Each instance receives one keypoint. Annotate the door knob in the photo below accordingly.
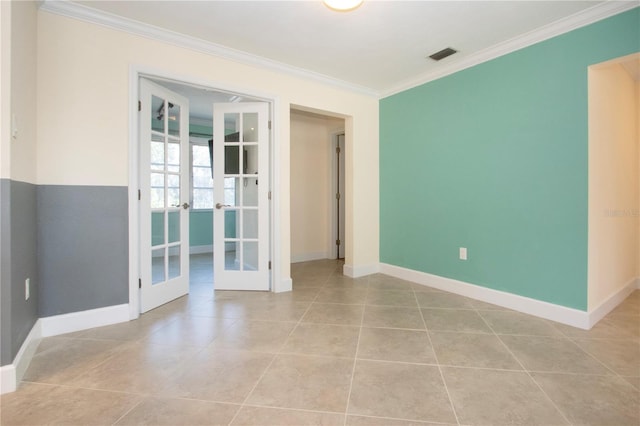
(185, 205)
(219, 206)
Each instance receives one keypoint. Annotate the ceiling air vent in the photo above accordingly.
(442, 54)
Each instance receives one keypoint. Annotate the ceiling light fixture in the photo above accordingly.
(342, 5)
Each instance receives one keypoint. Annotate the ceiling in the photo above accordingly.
(381, 47)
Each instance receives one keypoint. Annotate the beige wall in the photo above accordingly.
(311, 167)
(83, 107)
(18, 90)
(614, 185)
(5, 89)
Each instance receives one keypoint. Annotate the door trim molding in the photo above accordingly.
(137, 71)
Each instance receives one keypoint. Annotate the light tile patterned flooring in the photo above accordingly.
(335, 351)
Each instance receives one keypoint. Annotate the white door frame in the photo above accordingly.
(135, 73)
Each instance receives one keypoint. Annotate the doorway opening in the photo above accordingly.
(197, 197)
(317, 143)
(614, 182)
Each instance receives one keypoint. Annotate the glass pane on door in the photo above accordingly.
(165, 189)
(241, 186)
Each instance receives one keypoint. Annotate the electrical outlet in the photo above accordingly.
(27, 288)
(463, 253)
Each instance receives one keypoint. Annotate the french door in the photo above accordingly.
(241, 196)
(164, 195)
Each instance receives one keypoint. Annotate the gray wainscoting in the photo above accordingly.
(83, 248)
(18, 219)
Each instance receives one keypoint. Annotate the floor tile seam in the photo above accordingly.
(186, 398)
(390, 306)
(448, 308)
(491, 333)
(273, 358)
(426, 422)
(613, 372)
(129, 411)
(355, 359)
(303, 410)
(435, 355)
(300, 354)
(111, 353)
(389, 361)
(68, 386)
(528, 373)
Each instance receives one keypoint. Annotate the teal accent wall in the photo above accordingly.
(201, 228)
(494, 158)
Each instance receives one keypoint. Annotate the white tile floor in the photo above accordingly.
(335, 351)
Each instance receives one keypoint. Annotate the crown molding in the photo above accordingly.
(84, 13)
(586, 17)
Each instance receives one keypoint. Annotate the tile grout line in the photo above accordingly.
(129, 411)
(527, 371)
(355, 357)
(275, 355)
(444, 382)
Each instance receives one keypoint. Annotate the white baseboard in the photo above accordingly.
(11, 375)
(538, 308)
(285, 285)
(308, 257)
(201, 249)
(76, 321)
(360, 271)
(613, 301)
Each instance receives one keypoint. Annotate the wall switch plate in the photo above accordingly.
(27, 288)
(463, 253)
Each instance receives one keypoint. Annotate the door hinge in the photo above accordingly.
(338, 242)
(139, 195)
(139, 282)
(269, 265)
(269, 194)
(139, 105)
(337, 196)
(269, 124)
(338, 150)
